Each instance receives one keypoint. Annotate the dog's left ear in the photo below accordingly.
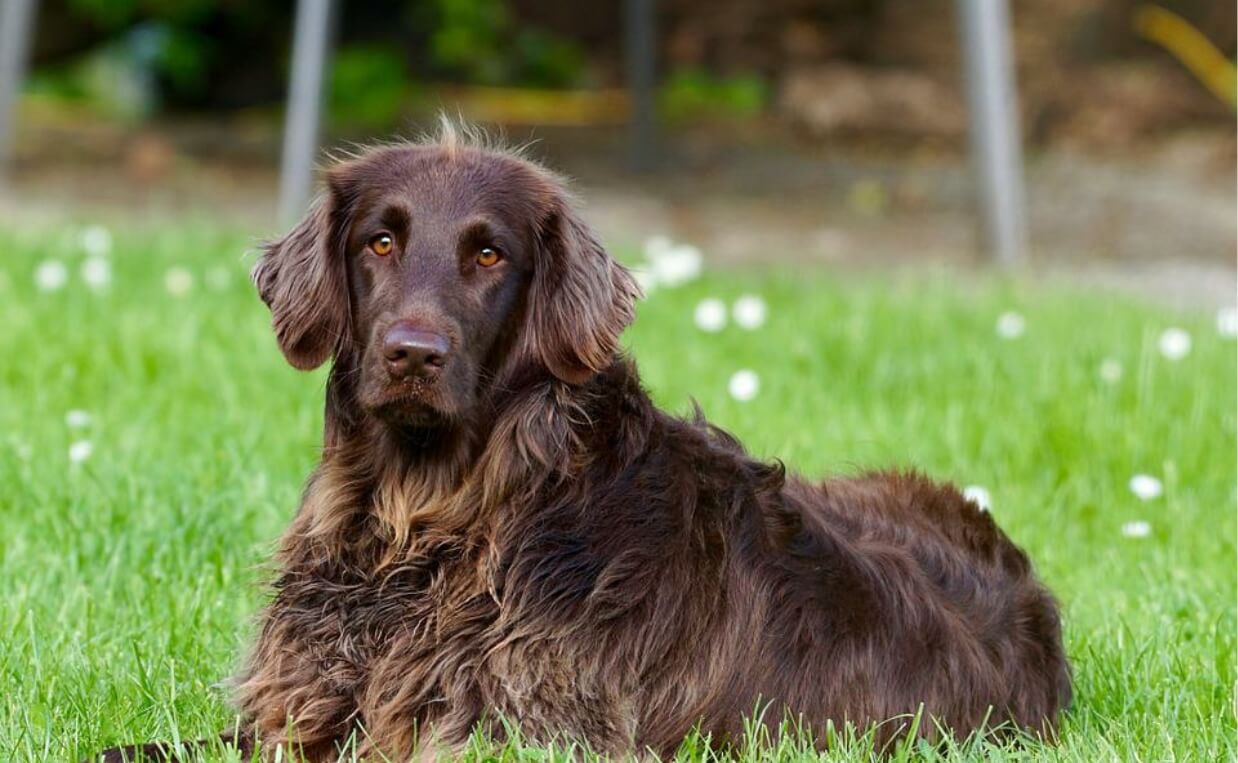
(580, 300)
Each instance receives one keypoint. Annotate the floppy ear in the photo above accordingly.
(301, 278)
(580, 299)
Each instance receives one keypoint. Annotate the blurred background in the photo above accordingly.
(781, 131)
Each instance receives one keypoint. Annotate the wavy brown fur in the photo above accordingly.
(566, 556)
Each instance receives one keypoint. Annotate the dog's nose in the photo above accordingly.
(409, 351)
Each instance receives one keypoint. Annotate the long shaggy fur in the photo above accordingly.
(574, 560)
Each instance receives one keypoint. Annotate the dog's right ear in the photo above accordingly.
(301, 278)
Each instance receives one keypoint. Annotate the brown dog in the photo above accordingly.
(503, 526)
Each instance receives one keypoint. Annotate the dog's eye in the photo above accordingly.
(382, 244)
(489, 256)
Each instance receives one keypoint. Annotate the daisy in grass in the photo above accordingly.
(710, 315)
(96, 272)
(51, 275)
(178, 282)
(672, 264)
(1227, 322)
(744, 385)
(1010, 325)
(1174, 343)
(979, 496)
(80, 451)
(749, 312)
(1146, 487)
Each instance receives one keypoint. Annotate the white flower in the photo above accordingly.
(77, 419)
(1227, 322)
(978, 496)
(677, 265)
(1175, 343)
(744, 385)
(51, 275)
(1146, 487)
(710, 315)
(218, 278)
(645, 278)
(97, 272)
(1010, 325)
(96, 241)
(178, 282)
(1136, 529)
(749, 311)
(669, 264)
(80, 451)
(1110, 371)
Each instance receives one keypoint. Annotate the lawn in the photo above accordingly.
(153, 444)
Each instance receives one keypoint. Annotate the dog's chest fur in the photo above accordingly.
(386, 642)
(406, 653)
(354, 612)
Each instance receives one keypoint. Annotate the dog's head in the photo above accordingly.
(436, 270)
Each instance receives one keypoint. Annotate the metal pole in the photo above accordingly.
(310, 50)
(16, 27)
(640, 51)
(993, 106)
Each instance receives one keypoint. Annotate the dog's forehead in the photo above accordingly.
(455, 181)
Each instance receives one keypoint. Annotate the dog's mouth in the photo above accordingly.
(409, 412)
(412, 402)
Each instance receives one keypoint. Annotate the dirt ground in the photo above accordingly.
(1159, 219)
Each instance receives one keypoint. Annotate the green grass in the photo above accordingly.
(127, 582)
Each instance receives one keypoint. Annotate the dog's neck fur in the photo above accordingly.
(391, 491)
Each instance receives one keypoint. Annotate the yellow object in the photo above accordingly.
(1188, 45)
(514, 106)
